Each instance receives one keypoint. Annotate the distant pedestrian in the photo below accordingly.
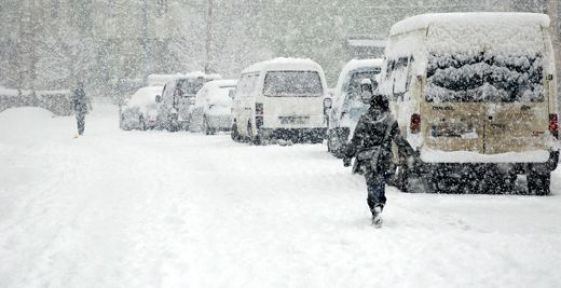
(371, 146)
(81, 105)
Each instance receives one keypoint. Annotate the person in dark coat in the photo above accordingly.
(81, 105)
(371, 146)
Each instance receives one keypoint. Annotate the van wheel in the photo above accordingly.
(206, 129)
(253, 137)
(539, 184)
(235, 134)
(141, 122)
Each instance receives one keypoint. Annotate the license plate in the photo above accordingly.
(294, 119)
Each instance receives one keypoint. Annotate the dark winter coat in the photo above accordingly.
(80, 103)
(374, 132)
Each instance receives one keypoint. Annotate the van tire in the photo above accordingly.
(206, 129)
(235, 134)
(539, 184)
(253, 138)
(141, 123)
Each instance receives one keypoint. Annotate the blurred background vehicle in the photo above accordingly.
(212, 111)
(140, 111)
(178, 97)
(347, 106)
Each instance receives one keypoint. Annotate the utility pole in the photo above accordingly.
(145, 46)
(553, 12)
(208, 36)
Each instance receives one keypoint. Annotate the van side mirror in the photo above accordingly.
(549, 77)
(158, 98)
(232, 93)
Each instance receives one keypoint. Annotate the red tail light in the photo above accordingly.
(554, 125)
(259, 115)
(415, 124)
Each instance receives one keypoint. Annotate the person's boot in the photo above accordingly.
(377, 220)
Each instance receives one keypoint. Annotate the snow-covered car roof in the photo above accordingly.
(352, 65)
(162, 79)
(144, 96)
(465, 19)
(216, 94)
(220, 83)
(298, 64)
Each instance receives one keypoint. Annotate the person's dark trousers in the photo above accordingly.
(80, 119)
(376, 190)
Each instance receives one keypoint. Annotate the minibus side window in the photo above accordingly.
(401, 78)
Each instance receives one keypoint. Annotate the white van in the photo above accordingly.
(280, 99)
(177, 98)
(347, 106)
(475, 96)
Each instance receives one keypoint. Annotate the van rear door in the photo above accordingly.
(293, 99)
(499, 97)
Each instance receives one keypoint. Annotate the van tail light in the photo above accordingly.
(415, 124)
(259, 113)
(554, 125)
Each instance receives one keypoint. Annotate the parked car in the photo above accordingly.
(281, 98)
(178, 97)
(140, 111)
(475, 95)
(212, 111)
(347, 106)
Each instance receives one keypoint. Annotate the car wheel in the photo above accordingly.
(539, 183)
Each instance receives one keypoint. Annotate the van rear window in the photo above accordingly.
(190, 87)
(485, 77)
(292, 84)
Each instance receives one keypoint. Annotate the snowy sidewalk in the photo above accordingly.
(134, 209)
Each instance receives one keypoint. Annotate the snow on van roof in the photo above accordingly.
(282, 63)
(481, 18)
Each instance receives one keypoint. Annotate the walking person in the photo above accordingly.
(371, 146)
(81, 105)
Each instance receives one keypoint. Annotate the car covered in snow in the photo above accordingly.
(212, 111)
(177, 98)
(347, 106)
(283, 99)
(475, 96)
(140, 111)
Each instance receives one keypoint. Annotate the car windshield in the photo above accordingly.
(485, 77)
(292, 83)
(352, 91)
(190, 87)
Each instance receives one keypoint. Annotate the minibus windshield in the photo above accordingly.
(292, 84)
(485, 77)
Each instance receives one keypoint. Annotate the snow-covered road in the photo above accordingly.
(133, 209)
